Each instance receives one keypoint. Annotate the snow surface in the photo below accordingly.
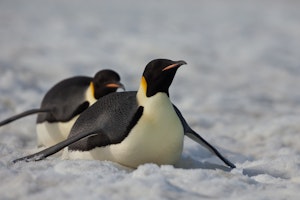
(240, 90)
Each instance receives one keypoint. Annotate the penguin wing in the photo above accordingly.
(53, 149)
(24, 114)
(66, 99)
(106, 122)
(112, 117)
(188, 131)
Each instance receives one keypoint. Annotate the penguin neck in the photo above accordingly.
(142, 98)
(141, 93)
(89, 94)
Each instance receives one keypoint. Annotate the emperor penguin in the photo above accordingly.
(65, 101)
(132, 128)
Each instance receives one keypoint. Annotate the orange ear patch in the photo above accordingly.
(112, 85)
(170, 67)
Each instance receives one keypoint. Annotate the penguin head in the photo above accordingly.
(158, 76)
(105, 82)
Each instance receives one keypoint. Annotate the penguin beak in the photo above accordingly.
(176, 64)
(115, 85)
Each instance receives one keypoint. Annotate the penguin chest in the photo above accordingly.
(156, 138)
(49, 134)
(160, 142)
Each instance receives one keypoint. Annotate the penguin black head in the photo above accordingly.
(105, 82)
(158, 75)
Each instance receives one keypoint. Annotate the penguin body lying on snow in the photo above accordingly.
(132, 128)
(65, 101)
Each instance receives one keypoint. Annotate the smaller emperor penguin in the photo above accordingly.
(65, 101)
(132, 128)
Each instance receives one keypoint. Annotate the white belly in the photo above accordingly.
(49, 134)
(157, 138)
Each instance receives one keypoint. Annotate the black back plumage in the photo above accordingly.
(65, 100)
(110, 125)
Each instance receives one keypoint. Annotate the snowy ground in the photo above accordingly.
(240, 90)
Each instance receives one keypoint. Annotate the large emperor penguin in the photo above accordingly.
(132, 128)
(65, 101)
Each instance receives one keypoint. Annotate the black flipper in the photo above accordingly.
(197, 138)
(55, 148)
(23, 114)
(82, 107)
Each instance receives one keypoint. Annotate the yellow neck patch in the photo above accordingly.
(90, 94)
(92, 89)
(141, 95)
(144, 84)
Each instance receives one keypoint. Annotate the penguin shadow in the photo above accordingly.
(190, 159)
(190, 163)
(264, 170)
